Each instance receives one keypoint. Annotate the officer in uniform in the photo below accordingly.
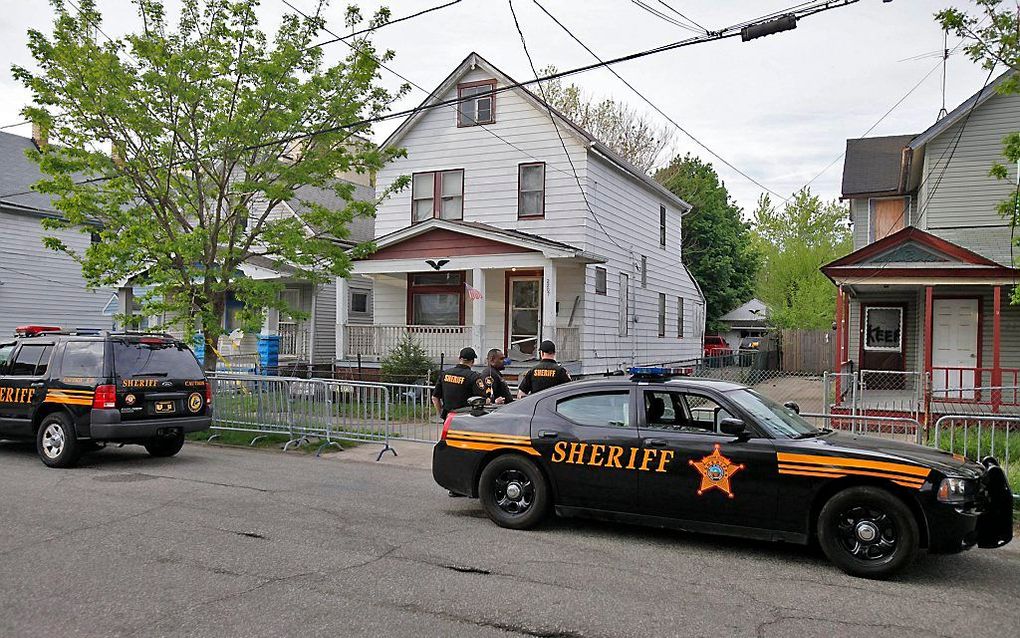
(545, 375)
(457, 384)
(496, 389)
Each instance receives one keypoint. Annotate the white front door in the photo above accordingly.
(954, 348)
(524, 317)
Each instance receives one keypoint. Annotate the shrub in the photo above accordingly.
(407, 362)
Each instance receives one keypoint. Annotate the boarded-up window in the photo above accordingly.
(888, 216)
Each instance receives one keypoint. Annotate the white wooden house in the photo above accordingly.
(583, 250)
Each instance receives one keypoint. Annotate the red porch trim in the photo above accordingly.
(913, 234)
(440, 242)
(996, 343)
(965, 272)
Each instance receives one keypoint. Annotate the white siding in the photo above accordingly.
(41, 286)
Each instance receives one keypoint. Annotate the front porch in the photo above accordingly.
(924, 328)
(450, 285)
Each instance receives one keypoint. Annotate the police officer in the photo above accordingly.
(546, 374)
(496, 389)
(457, 384)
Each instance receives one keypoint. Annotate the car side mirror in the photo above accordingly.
(732, 427)
(792, 405)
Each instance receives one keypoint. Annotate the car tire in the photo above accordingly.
(868, 532)
(514, 492)
(165, 446)
(56, 441)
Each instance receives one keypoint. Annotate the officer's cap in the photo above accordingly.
(548, 347)
(468, 354)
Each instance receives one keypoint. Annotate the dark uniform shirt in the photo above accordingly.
(545, 375)
(456, 385)
(495, 386)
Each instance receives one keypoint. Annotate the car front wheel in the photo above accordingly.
(514, 492)
(868, 532)
(56, 441)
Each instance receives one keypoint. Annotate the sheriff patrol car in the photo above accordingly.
(718, 457)
(76, 390)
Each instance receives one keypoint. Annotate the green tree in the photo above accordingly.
(993, 36)
(635, 136)
(795, 241)
(408, 362)
(717, 245)
(213, 126)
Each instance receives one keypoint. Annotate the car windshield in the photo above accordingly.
(780, 421)
(154, 358)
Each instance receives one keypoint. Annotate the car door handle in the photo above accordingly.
(548, 434)
(38, 384)
(656, 443)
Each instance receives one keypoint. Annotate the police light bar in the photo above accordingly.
(31, 331)
(645, 373)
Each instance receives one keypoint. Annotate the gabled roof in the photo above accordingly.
(472, 61)
(872, 165)
(362, 229)
(17, 174)
(514, 238)
(751, 312)
(954, 116)
(914, 253)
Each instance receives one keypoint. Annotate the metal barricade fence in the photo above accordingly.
(895, 427)
(977, 436)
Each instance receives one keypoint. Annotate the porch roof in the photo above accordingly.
(471, 244)
(913, 256)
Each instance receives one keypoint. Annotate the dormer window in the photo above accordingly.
(477, 103)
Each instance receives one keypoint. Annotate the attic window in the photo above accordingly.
(477, 103)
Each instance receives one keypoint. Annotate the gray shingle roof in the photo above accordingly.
(872, 164)
(362, 228)
(18, 173)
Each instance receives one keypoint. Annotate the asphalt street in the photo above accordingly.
(232, 542)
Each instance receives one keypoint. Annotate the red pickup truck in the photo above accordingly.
(716, 346)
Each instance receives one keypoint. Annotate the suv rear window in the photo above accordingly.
(156, 358)
(82, 359)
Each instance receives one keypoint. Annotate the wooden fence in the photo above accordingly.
(806, 350)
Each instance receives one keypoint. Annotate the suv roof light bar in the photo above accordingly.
(32, 331)
(656, 373)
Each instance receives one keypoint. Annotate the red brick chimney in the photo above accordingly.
(40, 136)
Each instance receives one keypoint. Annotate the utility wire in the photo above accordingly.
(655, 107)
(666, 18)
(670, 7)
(728, 32)
(556, 126)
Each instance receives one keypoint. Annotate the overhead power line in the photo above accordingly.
(727, 32)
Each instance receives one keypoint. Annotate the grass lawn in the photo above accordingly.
(271, 441)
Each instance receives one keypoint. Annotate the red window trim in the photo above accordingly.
(468, 85)
(412, 289)
(437, 192)
(520, 169)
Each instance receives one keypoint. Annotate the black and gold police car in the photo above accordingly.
(718, 457)
(73, 391)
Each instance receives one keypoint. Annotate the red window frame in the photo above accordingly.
(418, 289)
(437, 192)
(520, 198)
(492, 98)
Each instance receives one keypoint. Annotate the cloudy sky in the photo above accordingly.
(779, 108)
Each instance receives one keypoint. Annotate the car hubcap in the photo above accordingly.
(867, 533)
(514, 492)
(53, 441)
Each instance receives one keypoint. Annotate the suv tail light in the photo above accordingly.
(446, 425)
(105, 397)
(208, 394)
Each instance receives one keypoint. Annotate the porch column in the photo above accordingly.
(996, 343)
(549, 302)
(928, 328)
(126, 306)
(838, 349)
(342, 317)
(478, 313)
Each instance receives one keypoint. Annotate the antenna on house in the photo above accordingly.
(945, 61)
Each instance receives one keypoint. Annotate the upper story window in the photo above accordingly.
(531, 190)
(477, 103)
(886, 216)
(600, 280)
(437, 194)
(662, 226)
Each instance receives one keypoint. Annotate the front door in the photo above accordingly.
(954, 348)
(524, 317)
(704, 476)
(589, 443)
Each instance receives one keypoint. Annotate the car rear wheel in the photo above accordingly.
(165, 446)
(514, 492)
(56, 441)
(868, 532)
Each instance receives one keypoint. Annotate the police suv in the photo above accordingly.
(718, 457)
(74, 391)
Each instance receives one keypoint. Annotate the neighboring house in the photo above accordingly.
(38, 285)
(925, 296)
(746, 320)
(494, 244)
(303, 343)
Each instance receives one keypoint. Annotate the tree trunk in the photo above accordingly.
(211, 330)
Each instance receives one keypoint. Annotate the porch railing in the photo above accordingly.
(378, 340)
(965, 385)
(293, 340)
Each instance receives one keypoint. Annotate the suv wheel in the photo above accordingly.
(868, 532)
(56, 441)
(165, 445)
(514, 492)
